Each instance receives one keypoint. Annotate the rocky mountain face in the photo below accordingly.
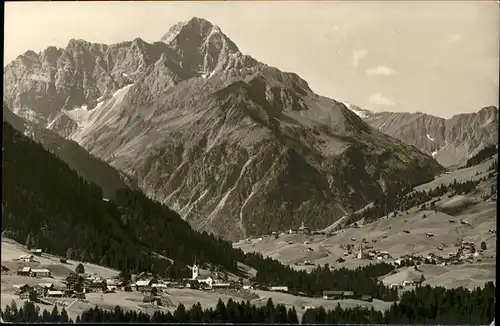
(450, 141)
(235, 146)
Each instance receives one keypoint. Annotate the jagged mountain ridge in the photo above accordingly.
(215, 134)
(450, 141)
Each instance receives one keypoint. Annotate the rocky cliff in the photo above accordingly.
(235, 146)
(450, 141)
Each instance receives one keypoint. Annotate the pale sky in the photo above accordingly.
(441, 58)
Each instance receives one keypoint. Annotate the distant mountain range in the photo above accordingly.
(235, 146)
(450, 141)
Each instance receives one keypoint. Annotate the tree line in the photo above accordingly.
(424, 305)
(482, 155)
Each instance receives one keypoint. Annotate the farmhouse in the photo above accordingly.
(221, 285)
(37, 252)
(20, 288)
(142, 284)
(42, 272)
(55, 294)
(337, 295)
(152, 300)
(303, 229)
(43, 288)
(25, 271)
(27, 258)
(279, 288)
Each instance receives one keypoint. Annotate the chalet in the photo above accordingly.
(303, 229)
(221, 285)
(152, 300)
(113, 282)
(37, 252)
(109, 289)
(40, 272)
(159, 286)
(368, 298)
(279, 288)
(43, 288)
(55, 294)
(95, 285)
(27, 258)
(25, 271)
(337, 295)
(20, 288)
(25, 294)
(142, 284)
(348, 294)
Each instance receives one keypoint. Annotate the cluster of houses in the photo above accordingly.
(44, 290)
(34, 272)
(466, 252)
(341, 295)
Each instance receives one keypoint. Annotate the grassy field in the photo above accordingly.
(388, 234)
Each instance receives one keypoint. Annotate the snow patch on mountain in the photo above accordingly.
(78, 115)
(363, 114)
(430, 138)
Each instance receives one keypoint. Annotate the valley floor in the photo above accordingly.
(388, 234)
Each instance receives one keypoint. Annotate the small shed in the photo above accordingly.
(37, 252)
(332, 295)
(152, 300)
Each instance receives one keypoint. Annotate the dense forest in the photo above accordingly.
(362, 280)
(482, 155)
(47, 205)
(424, 305)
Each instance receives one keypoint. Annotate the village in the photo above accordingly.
(153, 289)
(465, 251)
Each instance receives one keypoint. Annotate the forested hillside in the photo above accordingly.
(47, 202)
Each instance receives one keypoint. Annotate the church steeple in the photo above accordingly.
(195, 271)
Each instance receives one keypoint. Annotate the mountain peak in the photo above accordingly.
(201, 46)
(195, 29)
